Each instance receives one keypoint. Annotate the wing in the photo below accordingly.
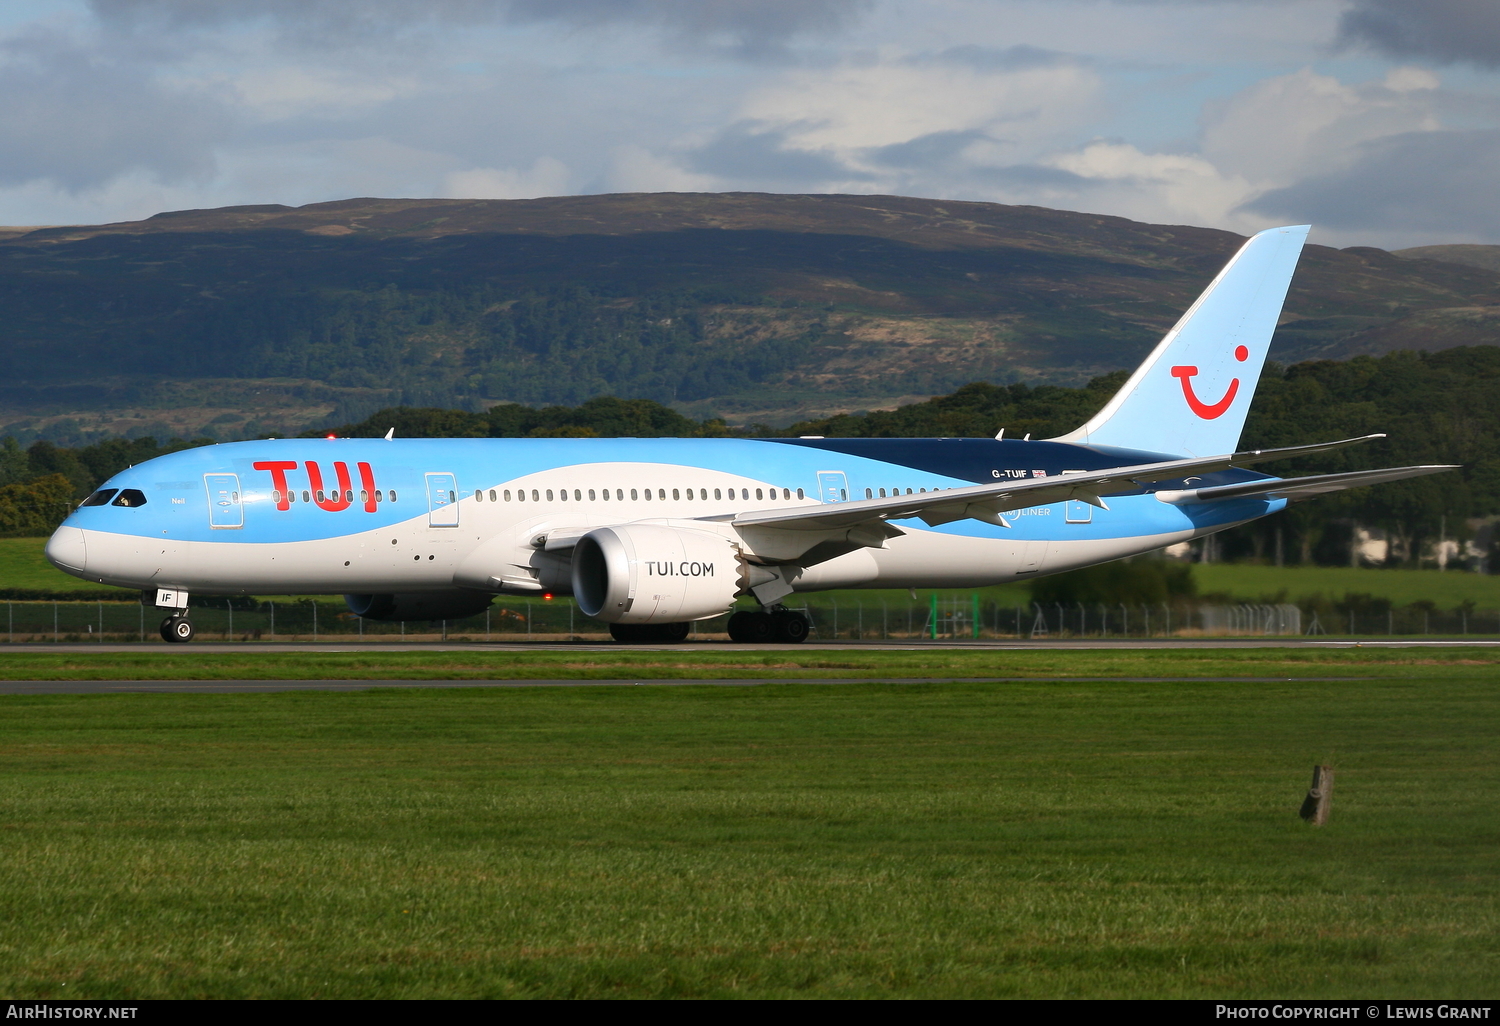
(1297, 487)
(987, 502)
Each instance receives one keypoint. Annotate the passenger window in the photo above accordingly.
(507, 495)
(364, 496)
(136, 497)
(349, 495)
(520, 495)
(869, 494)
(478, 495)
(882, 493)
(718, 493)
(321, 496)
(633, 495)
(492, 495)
(676, 495)
(758, 493)
(591, 495)
(305, 496)
(648, 495)
(799, 494)
(393, 495)
(577, 495)
(620, 494)
(535, 497)
(922, 490)
(379, 495)
(100, 497)
(661, 494)
(786, 493)
(549, 494)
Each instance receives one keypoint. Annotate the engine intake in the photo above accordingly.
(647, 573)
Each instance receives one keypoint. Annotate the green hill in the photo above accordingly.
(247, 320)
(1485, 257)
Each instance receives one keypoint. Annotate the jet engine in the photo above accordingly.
(419, 605)
(645, 573)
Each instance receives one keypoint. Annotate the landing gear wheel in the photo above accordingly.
(177, 629)
(790, 627)
(751, 628)
(630, 633)
(672, 633)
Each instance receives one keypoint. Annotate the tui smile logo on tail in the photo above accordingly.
(1208, 411)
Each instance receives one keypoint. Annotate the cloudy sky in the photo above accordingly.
(1378, 120)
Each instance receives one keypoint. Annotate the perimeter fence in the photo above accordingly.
(946, 617)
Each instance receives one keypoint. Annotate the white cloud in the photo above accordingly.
(636, 169)
(1178, 188)
(546, 177)
(281, 92)
(865, 104)
(1290, 125)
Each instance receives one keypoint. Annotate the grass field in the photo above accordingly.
(1401, 587)
(22, 565)
(1026, 839)
(610, 663)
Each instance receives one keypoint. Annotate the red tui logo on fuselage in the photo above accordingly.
(330, 499)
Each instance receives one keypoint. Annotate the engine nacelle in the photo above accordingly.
(419, 605)
(646, 573)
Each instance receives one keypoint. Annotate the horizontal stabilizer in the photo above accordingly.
(1296, 488)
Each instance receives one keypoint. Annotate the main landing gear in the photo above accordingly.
(177, 628)
(783, 625)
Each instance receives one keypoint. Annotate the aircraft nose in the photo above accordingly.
(66, 549)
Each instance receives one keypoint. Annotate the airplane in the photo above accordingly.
(651, 534)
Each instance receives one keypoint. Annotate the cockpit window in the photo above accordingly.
(130, 497)
(100, 497)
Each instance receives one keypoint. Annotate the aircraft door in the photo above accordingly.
(833, 486)
(442, 500)
(224, 507)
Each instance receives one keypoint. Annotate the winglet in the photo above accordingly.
(390, 434)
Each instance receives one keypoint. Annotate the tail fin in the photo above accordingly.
(1191, 395)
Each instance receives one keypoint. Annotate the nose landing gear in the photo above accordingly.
(177, 629)
(778, 624)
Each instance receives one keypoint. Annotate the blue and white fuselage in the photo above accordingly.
(435, 514)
